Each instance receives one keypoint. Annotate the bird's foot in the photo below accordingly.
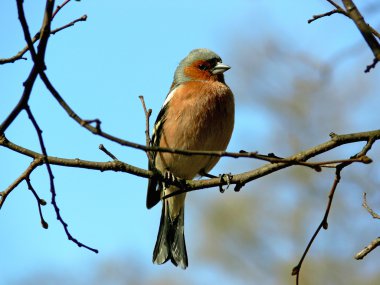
(225, 179)
(169, 179)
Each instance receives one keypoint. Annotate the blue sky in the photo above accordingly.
(100, 67)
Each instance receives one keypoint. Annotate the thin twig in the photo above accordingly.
(370, 35)
(78, 163)
(376, 242)
(364, 29)
(28, 84)
(44, 37)
(25, 28)
(147, 113)
(106, 151)
(148, 142)
(59, 7)
(365, 205)
(371, 66)
(52, 186)
(324, 223)
(373, 244)
(72, 23)
(36, 37)
(4, 194)
(192, 185)
(97, 122)
(335, 5)
(40, 202)
(316, 17)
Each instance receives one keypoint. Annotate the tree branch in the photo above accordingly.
(191, 185)
(364, 29)
(369, 33)
(35, 163)
(59, 7)
(373, 244)
(324, 223)
(52, 185)
(376, 242)
(40, 202)
(369, 209)
(36, 37)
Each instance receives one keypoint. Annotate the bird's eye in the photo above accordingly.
(203, 67)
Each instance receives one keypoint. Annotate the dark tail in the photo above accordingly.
(170, 242)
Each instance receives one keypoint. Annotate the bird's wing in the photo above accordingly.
(154, 187)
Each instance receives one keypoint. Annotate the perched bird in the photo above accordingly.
(197, 114)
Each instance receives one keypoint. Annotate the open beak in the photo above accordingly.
(220, 68)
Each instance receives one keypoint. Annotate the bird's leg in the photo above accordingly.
(225, 178)
(169, 178)
(205, 174)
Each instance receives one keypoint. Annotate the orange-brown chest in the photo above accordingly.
(200, 117)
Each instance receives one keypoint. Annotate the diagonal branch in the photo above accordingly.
(28, 84)
(36, 37)
(40, 202)
(370, 35)
(77, 163)
(374, 243)
(52, 186)
(368, 208)
(324, 223)
(364, 29)
(4, 194)
(191, 185)
(59, 7)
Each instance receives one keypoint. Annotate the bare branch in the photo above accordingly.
(324, 223)
(4, 194)
(28, 84)
(365, 205)
(364, 29)
(72, 23)
(52, 186)
(371, 66)
(335, 5)
(361, 254)
(25, 28)
(148, 142)
(40, 202)
(106, 151)
(36, 37)
(59, 7)
(147, 113)
(45, 35)
(316, 17)
(362, 26)
(77, 163)
(369, 33)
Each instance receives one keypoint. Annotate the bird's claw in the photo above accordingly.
(169, 179)
(225, 178)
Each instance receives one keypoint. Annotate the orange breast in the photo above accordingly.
(200, 116)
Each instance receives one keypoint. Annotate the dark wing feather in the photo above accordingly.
(154, 187)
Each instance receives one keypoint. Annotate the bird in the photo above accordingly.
(197, 114)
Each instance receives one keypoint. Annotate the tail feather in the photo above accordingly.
(170, 242)
(154, 193)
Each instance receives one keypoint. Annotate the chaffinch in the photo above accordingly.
(197, 114)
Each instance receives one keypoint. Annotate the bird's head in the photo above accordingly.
(200, 64)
